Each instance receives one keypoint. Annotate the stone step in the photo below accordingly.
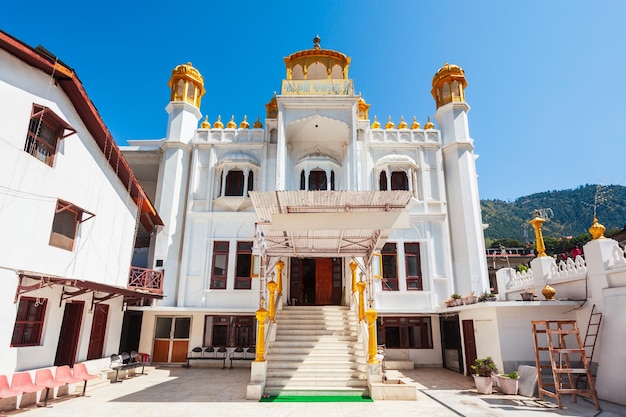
(316, 343)
(298, 383)
(320, 373)
(331, 350)
(314, 365)
(327, 391)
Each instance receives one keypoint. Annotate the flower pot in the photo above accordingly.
(470, 299)
(508, 385)
(484, 384)
(458, 302)
(527, 296)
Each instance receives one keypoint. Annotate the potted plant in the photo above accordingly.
(449, 302)
(528, 294)
(508, 383)
(470, 298)
(484, 368)
(457, 299)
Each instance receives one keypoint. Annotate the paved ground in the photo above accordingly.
(214, 392)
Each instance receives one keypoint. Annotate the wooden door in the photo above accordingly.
(98, 331)
(68, 337)
(469, 342)
(171, 339)
(295, 281)
(324, 281)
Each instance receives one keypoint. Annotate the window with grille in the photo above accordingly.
(244, 266)
(220, 265)
(29, 322)
(390, 267)
(405, 332)
(45, 130)
(413, 267)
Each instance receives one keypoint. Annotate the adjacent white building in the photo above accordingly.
(69, 210)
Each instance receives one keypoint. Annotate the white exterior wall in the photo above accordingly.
(29, 190)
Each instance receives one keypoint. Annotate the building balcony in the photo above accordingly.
(148, 280)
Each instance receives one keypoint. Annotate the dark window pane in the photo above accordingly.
(181, 327)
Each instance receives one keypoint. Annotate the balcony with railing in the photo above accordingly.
(148, 280)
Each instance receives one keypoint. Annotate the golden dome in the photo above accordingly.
(375, 124)
(415, 124)
(362, 109)
(258, 124)
(231, 123)
(205, 123)
(271, 108)
(244, 123)
(448, 85)
(402, 124)
(390, 124)
(429, 124)
(308, 57)
(218, 123)
(597, 229)
(186, 84)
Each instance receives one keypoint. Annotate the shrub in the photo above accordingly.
(484, 367)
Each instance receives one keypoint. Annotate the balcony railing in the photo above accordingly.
(144, 279)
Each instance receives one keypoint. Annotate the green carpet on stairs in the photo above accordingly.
(316, 399)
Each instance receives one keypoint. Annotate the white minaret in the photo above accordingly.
(459, 161)
(187, 88)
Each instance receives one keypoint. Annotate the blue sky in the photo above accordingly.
(545, 78)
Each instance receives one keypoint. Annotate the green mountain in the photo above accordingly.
(569, 212)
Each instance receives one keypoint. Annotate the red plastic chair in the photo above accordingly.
(80, 371)
(22, 381)
(5, 388)
(44, 378)
(64, 374)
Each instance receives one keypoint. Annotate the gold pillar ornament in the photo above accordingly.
(279, 276)
(353, 266)
(596, 229)
(361, 287)
(548, 292)
(271, 286)
(261, 317)
(371, 328)
(536, 222)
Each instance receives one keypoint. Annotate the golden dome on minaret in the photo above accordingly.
(231, 123)
(402, 124)
(305, 64)
(244, 123)
(271, 108)
(415, 125)
(429, 124)
(186, 84)
(218, 123)
(258, 124)
(205, 123)
(362, 109)
(390, 124)
(449, 85)
(375, 124)
(597, 230)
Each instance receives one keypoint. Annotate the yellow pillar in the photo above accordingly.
(271, 286)
(536, 223)
(371, 326)
(361, 288)
(353, 266)
(279, 278)
(261, 316)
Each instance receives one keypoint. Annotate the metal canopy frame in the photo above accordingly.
(328, 223)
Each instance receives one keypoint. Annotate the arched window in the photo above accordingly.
(382, 181)
(234, 183)
(250, 181)
(302, 180)
(317, 180)
(399, 181)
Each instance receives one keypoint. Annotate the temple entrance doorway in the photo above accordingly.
(316, 281)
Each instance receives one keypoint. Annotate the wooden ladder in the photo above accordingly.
(557, 332)
(589, 342)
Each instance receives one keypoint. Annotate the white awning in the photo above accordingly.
(328, 223)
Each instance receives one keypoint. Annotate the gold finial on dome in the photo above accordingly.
(244, 123)
(231, 123)
(205, 123)
(429, 124)
(186, 84)
(258, 124)
(362, 109)
(316, 42)
(390, 124)
(375, 124)
(596, 229)
(271, 108)
(402, 124)
(415, 125)
(218, 123)
(449, 85)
